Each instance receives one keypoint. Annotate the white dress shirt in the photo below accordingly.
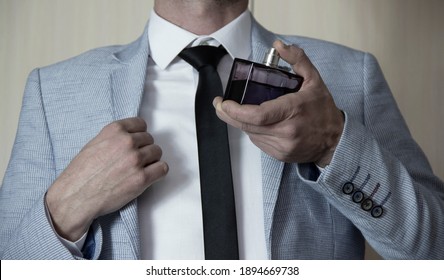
(170, 211)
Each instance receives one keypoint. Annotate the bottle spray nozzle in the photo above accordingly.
(272, 58)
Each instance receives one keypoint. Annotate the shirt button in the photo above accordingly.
(377, 211)
(348, 188)
(367, 204)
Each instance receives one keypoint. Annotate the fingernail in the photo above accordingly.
(166, 168)
(217, 104)
(222, 106)
(285, 46)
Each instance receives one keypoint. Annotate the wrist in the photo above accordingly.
(332, 141)
(75, 247)
(69, 221)
(325, 160)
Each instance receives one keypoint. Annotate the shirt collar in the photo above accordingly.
(167, 40)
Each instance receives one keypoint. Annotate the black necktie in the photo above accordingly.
(219, 216)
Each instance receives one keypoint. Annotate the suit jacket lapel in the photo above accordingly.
(271, 179)
(128, 78)
(272, 169)
(127, 84)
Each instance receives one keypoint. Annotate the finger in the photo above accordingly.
(131, 125)
(267, 146)
(235, 123)
(121, 127)
(217, 103)
(250, 129)
(244, 116)
(140, 181)
(154, 172)
(141, 139)
(150, 154)
(297, 58)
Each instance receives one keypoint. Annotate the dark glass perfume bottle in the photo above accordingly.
(254, 83)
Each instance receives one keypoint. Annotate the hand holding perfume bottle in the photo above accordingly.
(297, 128)
(255, 83)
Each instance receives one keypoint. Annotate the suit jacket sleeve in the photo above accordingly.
(378, 155)
(26, 232)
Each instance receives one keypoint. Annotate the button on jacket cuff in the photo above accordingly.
(356, 148)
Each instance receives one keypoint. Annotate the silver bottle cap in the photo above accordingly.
(272, 58)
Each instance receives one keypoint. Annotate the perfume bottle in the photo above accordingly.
(254, 83)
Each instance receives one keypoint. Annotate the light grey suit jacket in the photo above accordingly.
(307, 214)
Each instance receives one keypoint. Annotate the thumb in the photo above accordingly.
(297, 58)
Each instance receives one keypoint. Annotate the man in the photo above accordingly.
(336, 161)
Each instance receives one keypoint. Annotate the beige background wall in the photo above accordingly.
(407, 37)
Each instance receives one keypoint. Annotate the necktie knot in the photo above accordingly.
(202, 56)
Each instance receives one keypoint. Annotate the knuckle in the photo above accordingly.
(114, 127)
(139, 178)
(259, 119)
(135, 158)
(152, 153)
(150, 175)
(299, 53)
(127, 141)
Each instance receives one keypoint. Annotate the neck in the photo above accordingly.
(201, 17)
